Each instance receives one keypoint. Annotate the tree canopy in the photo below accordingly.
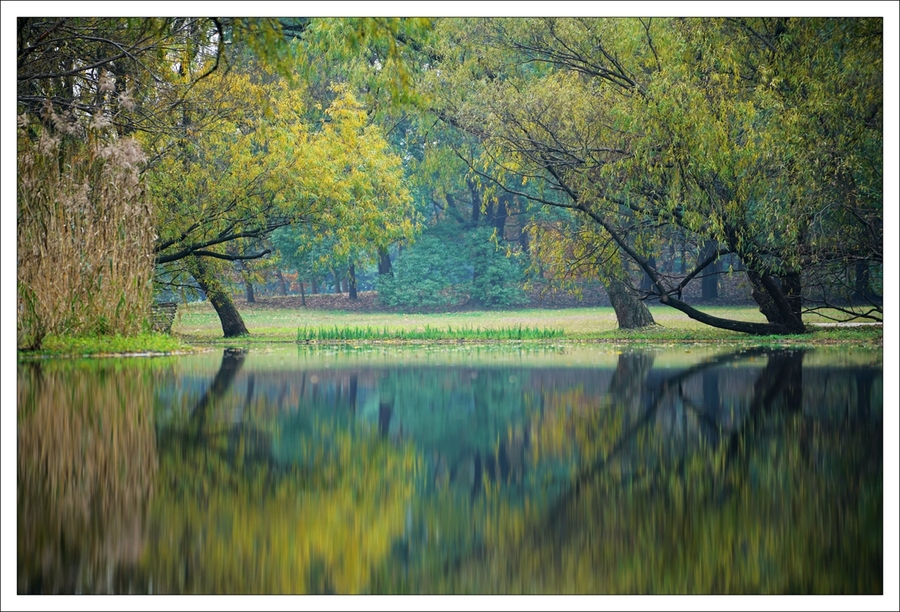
(714, 127)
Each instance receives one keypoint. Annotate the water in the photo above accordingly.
(453, 470)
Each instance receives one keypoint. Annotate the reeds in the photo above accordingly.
(85, 233)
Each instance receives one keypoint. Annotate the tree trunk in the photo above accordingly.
(245, 275)
(646, 281)
(351, 282)
(384, 262)
(709, 284)
(232, 323)
(792, 287)
(501, 214)
(476, 274)
(631, 313)
(302, 295)
(766, 304)
(281, 282)
(248, 286)
(476, 200)
(673, 255)
(315, 285)
(862, 289)
(781, 307)
(523, 240)
(759, 329)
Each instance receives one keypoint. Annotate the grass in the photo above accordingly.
(198, 323)
(325, 334)
(96, 345)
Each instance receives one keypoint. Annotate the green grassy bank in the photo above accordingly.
(197, 326)
(198, 323)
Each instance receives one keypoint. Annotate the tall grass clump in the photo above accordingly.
(345, 334)
(84, 231)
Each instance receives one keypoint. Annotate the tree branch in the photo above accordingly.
(226, 257)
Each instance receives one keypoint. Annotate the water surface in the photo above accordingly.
(456, 469)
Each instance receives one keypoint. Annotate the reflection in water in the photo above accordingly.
(245, 521)
(781, 506)
(743, 472)
(87, 463)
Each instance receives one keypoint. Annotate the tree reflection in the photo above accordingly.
(231, 518)
(745, 472)
(759, 499)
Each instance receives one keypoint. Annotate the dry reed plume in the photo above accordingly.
(85, 234)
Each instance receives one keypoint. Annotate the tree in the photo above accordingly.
(222, 187)
(567, 250)
(133, 73)
(466, 68)
(369, 186)
(258, 166)
(700, 125)
(230, 154)
(91, 90)
(299, 248)
(364, 204)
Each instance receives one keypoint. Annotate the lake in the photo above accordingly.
(594, 469)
